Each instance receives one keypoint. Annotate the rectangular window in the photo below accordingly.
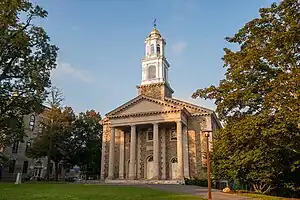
(28, 145)
(11, 167)
(173, 134)
(15, 147)
(150, 135)
(25, 167)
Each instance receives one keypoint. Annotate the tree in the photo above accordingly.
(85, 144)
(26, 60)
(259, 102)
(57, 126)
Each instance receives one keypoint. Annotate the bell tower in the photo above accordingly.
(155, 67)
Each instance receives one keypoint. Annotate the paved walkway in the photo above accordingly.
(196, 191)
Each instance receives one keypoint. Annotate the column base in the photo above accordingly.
(110, 178)
(155, 178)
(179, 178)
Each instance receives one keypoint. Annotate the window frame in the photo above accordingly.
(152, 49)
(158, 49)
(32, 122)
(173, 138)
(149, 131)
(151, 72)
(28, 145)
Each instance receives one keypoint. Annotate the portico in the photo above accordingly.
(154, 168)
(155, 136)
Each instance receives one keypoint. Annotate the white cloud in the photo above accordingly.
(179, 47)
(65, 70)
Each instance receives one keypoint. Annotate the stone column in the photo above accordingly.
(103, 153)
(138, 156)
(179, 151)
(132, 153)
(122, 150)
(156, 156)
(111, 164)
(186, 166)
(163, 153)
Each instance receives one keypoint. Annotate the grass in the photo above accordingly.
(84, 192)
(259, 196)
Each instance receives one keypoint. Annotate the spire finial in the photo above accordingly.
(154, 23)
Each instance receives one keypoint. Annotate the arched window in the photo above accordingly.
(158, 49)
(32, 122)
(151, 72)
(174, 160)
(152, 49)
(150, 159)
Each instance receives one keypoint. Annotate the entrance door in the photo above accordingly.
(150, 168)
(174, 166)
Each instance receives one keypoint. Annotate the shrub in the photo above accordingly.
(197, 181)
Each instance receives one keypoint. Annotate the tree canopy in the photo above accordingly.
(85, 143)
(26, 60)
(258, 100)
(56, 126)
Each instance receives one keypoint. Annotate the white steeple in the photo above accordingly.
(154, 65)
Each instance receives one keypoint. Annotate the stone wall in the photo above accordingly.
(171, 152)
(156, 90)
(197, 146)
(105, 146)
(143, 153)
(127, 153)
(192, 153)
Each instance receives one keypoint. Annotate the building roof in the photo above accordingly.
(155, 33)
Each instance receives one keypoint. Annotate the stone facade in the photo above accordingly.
(155, 136)
(158, 90)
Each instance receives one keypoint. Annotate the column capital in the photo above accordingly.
(178, 121)
(112, 126)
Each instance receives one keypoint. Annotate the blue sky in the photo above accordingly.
(102, 42)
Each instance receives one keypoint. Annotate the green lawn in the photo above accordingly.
(260, 196)
(83, 192)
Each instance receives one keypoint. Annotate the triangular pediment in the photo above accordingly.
(142, 104)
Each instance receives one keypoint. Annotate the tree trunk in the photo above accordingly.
(86, 171)
(261, 188)
(56, 171)
(48, 168)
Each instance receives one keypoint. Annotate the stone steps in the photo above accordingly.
(137, 182)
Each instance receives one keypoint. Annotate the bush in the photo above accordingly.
(197, 181)
(70, 179)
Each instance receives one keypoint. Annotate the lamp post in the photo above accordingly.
(207, 133)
